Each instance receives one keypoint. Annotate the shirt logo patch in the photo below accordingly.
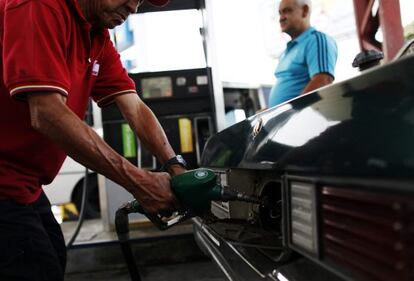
(95, 68)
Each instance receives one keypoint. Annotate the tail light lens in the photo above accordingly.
(368, 233)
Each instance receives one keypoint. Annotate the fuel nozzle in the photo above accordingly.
(231, 195)
(195, 189)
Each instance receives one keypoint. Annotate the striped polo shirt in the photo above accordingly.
(47, 46)
(311, 53)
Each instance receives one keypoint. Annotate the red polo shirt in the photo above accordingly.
(46, 46)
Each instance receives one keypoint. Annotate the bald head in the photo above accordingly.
(304, 2)
(294, 16)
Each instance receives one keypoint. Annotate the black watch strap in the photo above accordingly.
(176, 160)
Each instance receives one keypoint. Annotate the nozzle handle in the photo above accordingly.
(160, 221)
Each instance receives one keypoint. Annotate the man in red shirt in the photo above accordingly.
(56, 54)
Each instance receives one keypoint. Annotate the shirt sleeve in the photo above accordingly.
(34, 49)
(112, 79)
(321, 55)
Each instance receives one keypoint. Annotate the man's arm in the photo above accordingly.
(147, 128)
(51, 117)
(321, 58)
(317, 81)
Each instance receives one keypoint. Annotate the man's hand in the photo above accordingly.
(154, 193)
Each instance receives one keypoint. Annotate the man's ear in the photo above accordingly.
(305, 11)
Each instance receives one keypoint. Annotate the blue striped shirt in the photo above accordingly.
(311, 53)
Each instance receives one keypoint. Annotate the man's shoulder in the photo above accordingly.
(317, 34)
(57, 5)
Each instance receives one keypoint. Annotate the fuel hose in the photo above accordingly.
(69, 244)
(122, 231)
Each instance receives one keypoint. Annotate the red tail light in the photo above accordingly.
(368, 234)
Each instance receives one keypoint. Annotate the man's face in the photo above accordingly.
(291, 16)
(110, 13)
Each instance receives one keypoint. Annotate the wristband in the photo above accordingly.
(176, 160)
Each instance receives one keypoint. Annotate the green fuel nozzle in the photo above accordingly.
(195, 189)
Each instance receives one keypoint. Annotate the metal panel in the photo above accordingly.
(112, 196)
(388, 18)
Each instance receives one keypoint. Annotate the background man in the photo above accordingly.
(309, 60)
(56, 54)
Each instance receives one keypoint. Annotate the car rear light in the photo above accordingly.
(302, 217)
(368, 234)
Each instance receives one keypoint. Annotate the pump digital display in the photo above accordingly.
(156, 87)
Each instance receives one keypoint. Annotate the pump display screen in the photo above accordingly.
(156, 87)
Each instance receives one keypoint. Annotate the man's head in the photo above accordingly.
(294, 16)
(110, 13)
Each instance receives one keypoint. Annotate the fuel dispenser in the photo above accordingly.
(183, 102)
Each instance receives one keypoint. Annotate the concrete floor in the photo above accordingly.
(161, 255)
(189, 271)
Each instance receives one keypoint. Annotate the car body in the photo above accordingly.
(337, 169)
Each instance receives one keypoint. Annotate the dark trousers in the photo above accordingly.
(32, 247)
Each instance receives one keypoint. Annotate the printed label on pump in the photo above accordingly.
(186, 135)
(129, 142)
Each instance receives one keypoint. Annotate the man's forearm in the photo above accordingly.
(146, 126)
(318, 81)
(51, 117)
(148, 129)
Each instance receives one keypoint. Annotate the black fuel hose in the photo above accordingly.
(122, 231)
(81, 218)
